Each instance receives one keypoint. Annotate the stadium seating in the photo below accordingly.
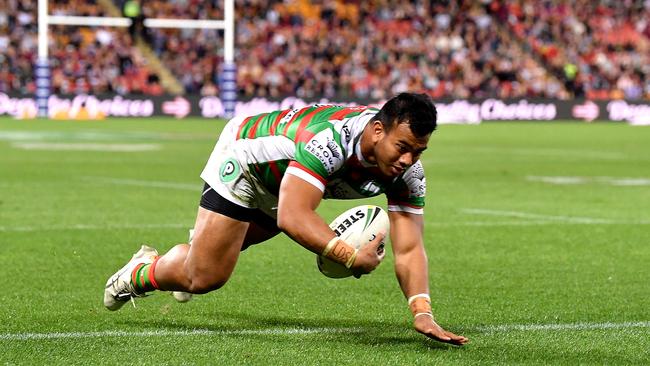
(369, 49)
(600, 49)
(83, 60)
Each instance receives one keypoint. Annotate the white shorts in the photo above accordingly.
(227, 173)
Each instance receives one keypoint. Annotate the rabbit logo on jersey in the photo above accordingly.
(323, 147)
(416, 180)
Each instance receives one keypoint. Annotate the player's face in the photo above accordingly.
(398, 149)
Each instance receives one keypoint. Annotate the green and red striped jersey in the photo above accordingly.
(320, 144)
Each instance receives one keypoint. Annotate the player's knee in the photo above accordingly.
(202, 284)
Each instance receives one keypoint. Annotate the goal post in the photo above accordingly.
(227, 79)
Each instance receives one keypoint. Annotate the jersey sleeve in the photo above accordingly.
(408, 192)
(318, 155)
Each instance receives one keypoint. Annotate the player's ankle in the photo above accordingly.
(143, 279)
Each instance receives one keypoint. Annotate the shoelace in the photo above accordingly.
(128, 295)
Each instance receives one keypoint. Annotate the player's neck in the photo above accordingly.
(366, 147)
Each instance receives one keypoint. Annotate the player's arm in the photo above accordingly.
(411, 268)
(297, 217)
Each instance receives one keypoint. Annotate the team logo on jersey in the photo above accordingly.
(229, 170)
(416, 180)
(417, 171)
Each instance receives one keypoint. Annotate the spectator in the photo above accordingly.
(369, 49)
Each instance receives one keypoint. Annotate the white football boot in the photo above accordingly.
(119, 288)
(181, 296)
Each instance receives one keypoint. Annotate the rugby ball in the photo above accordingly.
(357, 226)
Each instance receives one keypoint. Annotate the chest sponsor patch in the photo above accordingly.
(324, 148)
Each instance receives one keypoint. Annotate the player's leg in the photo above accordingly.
(207, 264)
(261, 229)
(221, 228)
(204, 266)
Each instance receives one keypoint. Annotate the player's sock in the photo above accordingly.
(142, 277)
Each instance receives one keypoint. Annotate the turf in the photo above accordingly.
(532, 271)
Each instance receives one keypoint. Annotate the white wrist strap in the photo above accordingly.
(423, 295)
(330, 245)
(427, 314)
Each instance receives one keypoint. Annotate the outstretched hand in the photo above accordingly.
(427, 326)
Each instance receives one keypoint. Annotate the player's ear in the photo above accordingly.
(378, 129)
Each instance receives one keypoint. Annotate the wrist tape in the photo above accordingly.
(340, 252)
(420, 304)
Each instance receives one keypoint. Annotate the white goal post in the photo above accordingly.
(228, 80)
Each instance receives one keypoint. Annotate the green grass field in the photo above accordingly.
(538, 237)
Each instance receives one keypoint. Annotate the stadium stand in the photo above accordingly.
(83, 60)
(363, 49)
(18, 46)
(600, 49)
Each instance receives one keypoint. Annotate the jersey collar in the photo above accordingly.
(362, 160)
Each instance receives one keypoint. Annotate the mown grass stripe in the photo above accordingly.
(503, 328)
(562, 327)
(178, 333)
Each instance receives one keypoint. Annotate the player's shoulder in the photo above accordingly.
(415, 179)
(340, 120)
(330, 114)
(415, 171)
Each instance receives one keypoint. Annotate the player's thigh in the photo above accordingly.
(258, 234)
(216, 244)
(262, 228)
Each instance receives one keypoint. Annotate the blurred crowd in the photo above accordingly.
(601, 49)
(83, 60)
(18, 46)
(193, 56)
(350, 49)
(378, 48)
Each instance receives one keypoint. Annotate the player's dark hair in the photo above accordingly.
(415, 109)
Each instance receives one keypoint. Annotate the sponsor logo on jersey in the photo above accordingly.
(334, 149)
(371, 187)
(229, 170)
(323, 147)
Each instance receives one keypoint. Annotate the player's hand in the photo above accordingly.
(427, 326)
(369, 257)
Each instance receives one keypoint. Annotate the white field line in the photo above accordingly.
(27, 229)
(147, 183)
(568, 153)
(505, 328)
(88, 135)
(569, 327)
(85, 146)
(489, 223)
(552, 218)
(176, 333)
(572, 180)
(91, 227)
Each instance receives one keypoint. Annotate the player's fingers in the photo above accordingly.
(456, 339)
(376, 242)
(381, 255)
(446, 337)
(441, 337)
